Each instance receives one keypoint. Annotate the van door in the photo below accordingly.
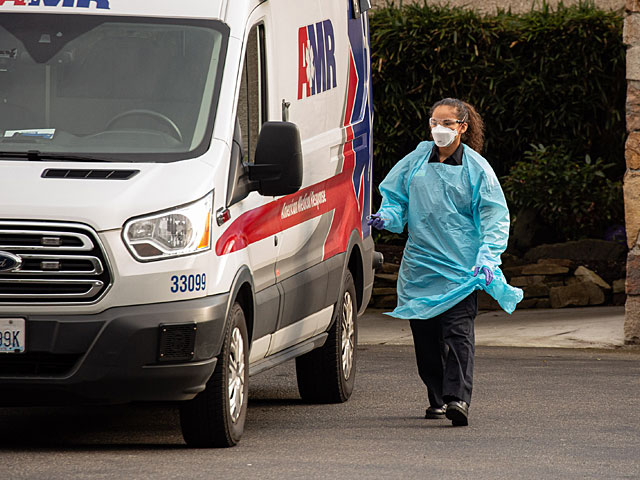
(252, 112)
(312, 60)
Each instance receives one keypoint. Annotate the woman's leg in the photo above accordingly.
(427, 340)
(458, 334)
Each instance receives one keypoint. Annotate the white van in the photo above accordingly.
(184, 188)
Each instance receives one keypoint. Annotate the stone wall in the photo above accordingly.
(516, 6)
(632, 176)
(572, 274)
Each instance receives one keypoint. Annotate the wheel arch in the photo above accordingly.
(243, 291)
(355, 265)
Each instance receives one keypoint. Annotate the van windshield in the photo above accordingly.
(108, 88)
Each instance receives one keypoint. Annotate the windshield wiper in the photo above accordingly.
(37, 156)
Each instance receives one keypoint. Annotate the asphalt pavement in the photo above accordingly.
(566, 411)
(589, 327)
(536, 414)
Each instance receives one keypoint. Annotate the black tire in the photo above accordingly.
(327, 374)
(216, 416)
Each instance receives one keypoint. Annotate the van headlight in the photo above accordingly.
(180, 231)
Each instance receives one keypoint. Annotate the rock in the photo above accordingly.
(631, 36)
(487, 302)
(514, 271)
(618, 286)
(543, 303)
(572, 281)
(632, 202)
(568, 295)
(633, 87)
(386, 279)
(392, 253)
(633, 273)
(607, 259)
(618, 299)
(563, 262)
(590, 249)
(386, 301)
(633, 5)
(585, 274)
(509, 260)
(535, 303)
(379, 292)
(596, 295)
(544, 269)
(389, 268)
(528, 280)
(533, 291)
(632, 321)
(577, 294)
(528, 303)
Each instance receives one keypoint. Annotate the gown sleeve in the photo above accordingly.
(395, 195)
(492, 218)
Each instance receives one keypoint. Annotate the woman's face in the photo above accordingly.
(447, 116)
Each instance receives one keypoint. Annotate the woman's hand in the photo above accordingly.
(376, 221)
(488, 274)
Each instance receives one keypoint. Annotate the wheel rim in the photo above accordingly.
(348, 335)
(236, 374)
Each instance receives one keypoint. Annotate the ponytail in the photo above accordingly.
(474, 136)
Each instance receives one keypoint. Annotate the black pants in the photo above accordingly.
(445, 347)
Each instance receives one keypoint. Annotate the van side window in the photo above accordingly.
(252, 102)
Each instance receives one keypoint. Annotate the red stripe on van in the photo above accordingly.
(348, 216)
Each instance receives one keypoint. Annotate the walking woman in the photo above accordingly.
(458, 221)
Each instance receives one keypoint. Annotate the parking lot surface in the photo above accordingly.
(536, 414)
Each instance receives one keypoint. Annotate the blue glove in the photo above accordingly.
(488, 274)
(376, 221)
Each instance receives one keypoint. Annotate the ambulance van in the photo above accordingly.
(184, 188)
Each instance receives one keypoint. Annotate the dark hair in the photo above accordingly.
(474, 136)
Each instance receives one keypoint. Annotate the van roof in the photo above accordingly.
(215, 9)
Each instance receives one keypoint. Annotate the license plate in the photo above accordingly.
(12, 335)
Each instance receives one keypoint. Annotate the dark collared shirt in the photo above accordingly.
(454, 159)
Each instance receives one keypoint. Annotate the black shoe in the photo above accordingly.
(458, 412)
(435, 412)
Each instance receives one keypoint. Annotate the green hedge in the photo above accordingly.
(552, 77)
(572, 196)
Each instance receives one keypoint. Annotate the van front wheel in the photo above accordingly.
(216, 416)
(327, 374)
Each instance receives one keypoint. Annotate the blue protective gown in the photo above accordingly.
(457, 218)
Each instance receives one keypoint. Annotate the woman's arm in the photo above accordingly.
(395, 194)
(492, 219)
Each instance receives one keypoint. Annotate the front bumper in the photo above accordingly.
(112, 357)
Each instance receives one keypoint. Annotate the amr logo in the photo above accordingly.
(316, 59)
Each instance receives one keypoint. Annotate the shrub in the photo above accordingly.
(573, 196)
(551, 77)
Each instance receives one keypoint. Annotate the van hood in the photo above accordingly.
(104, 204)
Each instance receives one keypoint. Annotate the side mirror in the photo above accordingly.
(278, 163)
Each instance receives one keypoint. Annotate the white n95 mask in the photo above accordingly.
(443, 136)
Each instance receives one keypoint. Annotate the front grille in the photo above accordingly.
(60, 263)
(36, 364)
